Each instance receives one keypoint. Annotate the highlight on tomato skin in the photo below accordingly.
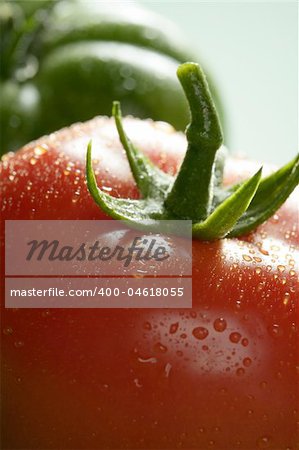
(221, 375)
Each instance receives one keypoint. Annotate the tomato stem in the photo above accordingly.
(192, 191)
(196, 193)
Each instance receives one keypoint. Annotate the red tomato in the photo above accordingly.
(221, 375)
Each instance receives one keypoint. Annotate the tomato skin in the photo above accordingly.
(148, 379)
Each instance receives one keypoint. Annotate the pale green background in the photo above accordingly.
(251, 48)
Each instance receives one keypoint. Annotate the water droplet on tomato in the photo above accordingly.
(147, 326)
(150, 360)
(173, 327)
(264, 442)
(40, 150)
(244, 342)
(76, 196)
(263, 251)
(167, 369)
(19, 344)
(275, 330)
(281, 268)
(247, 362)
(240, 371)
(107, 188)
(286, 298)
(8, 331)
(33, 161)
(235, 337)
(160, 348)
(220, 324)
(137, 383)
(200, 333)
(238, 304)
(247, 258)
(257, 259)
(29, 185)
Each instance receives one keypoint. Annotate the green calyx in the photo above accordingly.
(196, 193)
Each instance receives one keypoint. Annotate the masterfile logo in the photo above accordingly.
(98, 264)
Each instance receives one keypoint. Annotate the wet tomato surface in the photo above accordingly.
(221, 375)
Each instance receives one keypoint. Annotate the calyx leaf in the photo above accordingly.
(196, 193)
